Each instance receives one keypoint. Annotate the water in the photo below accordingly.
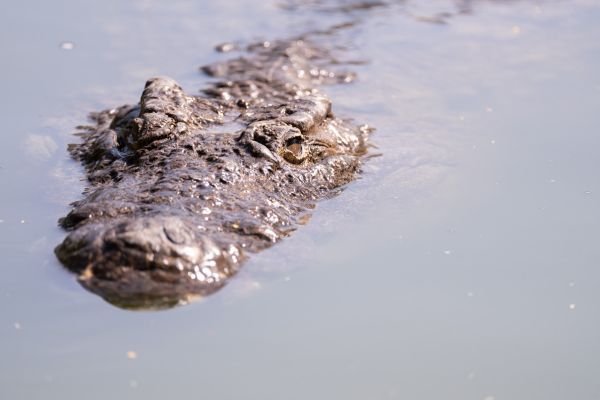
(462, 265)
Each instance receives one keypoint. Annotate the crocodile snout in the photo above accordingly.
(150, 262)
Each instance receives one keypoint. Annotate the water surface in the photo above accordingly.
(462, 265)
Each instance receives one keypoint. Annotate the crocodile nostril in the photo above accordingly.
(174, 235)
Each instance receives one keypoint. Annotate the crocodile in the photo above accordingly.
(182, 188)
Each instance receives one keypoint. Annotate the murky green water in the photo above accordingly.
(463, 264)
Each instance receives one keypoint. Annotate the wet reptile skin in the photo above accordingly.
(181, 188)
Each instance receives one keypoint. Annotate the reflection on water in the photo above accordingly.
(461, 265)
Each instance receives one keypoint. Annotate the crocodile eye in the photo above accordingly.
(295, 154)
(295, 148)
(295, 151)
(294, 140)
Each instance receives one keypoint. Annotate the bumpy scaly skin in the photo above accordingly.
(182, 187)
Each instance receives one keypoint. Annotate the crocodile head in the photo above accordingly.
(183, 187)
(177, 199)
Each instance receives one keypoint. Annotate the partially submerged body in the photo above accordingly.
(183, 187)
